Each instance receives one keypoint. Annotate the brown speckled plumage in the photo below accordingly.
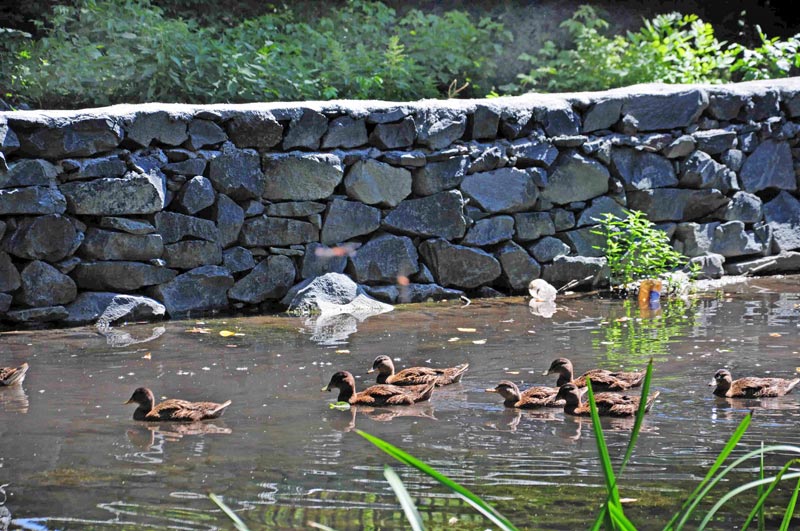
(750, 387)
(378, 395)
(173, 409)
(416, 375)
(532, 398)
(13, 375)
(602, 380)
(608, 404)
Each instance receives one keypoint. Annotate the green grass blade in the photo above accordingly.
(316, 525)
(481, 506)
(763, 495)
(639, 416)
(237, 522)
(412, 514)
(761, 522)
(683, 514)
(787, 516)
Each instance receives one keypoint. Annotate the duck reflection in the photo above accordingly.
(14, 399)
(5, 514)
(573, 428)
(346, 421)
(146, 436)
(117, 338)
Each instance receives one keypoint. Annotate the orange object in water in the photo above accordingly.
(649, 292)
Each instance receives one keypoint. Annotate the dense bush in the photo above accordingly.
(112, 51)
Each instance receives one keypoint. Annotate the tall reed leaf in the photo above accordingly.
(481, 506)
(787, 516)
(237, 522)
(762, 494)
(412, 514)
(761, 523)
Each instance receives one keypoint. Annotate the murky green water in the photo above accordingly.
(74, 459)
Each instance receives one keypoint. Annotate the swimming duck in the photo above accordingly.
(750, 387)
(377, 395)
(173, 409)
(608, 404)
(416, 375)
(602, 380)
(535, 397)
(13, 375)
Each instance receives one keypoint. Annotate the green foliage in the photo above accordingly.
(112, 51)
(635, 248)
(773, 59)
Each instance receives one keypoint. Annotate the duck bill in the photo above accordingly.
(712, 383)
(490, 390)
(326, 388)
(128, 402)
(545, 373)
(371, 371)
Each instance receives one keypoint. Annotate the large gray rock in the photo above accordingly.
(47, 314)
(75, 137)
(439, 128)
(348, 219)
(374, 182)
(489, 231)
(384, 259)
(192, 166)
(535, 152)
(640, 170)
(32, 200)
(229, 217)
(159, 126)
(436, 177)
(28, 172)
(548, 248)
(300, 176)
(265, 231)
(708, 265)
(9, 142)
(485, 121)
(238, 259)
(427, 292)
(174, 227)
(203, 133)
(785, 262)
(459, 266)
(671, 204)
(188, 254)
(195, 195)
(269, 280)
(597, 210)
(503, 190)
(602, 115)
(743, 207)
(393, 136)
(576, 178)
(119, 275)
(93, 168)
(199, 290)
(559, 120)
(305, 131)
(714, 141)
(51, 238)
(587, 271)
(320, 259)
(44, 285)
(255, 129)
(90, 305)
(696, 238)
(518, 266)
(584, 241)
(701, 171)
(9, 276)
(769, 166)
(533, 225)
(131, 226)
(102, 244)
(674, 108)
(237, 173)
(136, 193)
(294, 209)
(730, 239)
(783, 216)
(439, 215)
(345, 132)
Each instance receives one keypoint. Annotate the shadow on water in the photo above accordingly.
(280, 456)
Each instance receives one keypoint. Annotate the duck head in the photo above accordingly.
(144, 397)
(722, 379)
(569, 393)
(507, 389)
(345, 383)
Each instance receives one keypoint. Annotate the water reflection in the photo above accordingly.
(14, 399)
(345, 421)
(541, 308)
(117, 338)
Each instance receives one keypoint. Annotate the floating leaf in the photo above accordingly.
(196, 330)
(467, 329)
(343, 351)
(226, 333)
(775, 334)
(480, 342)
(453, 339)
(147, 356)
(341, 406)
(512, 372)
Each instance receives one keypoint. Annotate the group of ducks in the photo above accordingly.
(416, 384)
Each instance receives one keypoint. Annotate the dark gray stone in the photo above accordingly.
(300, 176)
(602, 115)
(584, 241)
(714, 141)
(393, 136)
(319, 259)
(188, 254)
(331, 289)
(533, 225)
(44, 285)
(640, 170)
(485, 121)
(195, 195)
(159, 126)
(75, 137)
(90, 305)
(518, 267)
(48, 314)
(673, 109)
(516, 122)
(414, 293)
(436, 177)
(296, 209)
(696, 239)
(237, 173)
(588, 271)
(265, 231)
(671, 204)
(9, 276)
(533, 153)
(203, 133)
(269, 280)
(306, 131)
(229, 218)
(255, 129)
(119, 276)
(196, 166)
(438, 128)
(348, 219)
(548, 248)
(785, 262)
(459, 266)
(32, 200)
(598, 209)
(733, 159)
(174, 227)
(490, 231)
(68, 264)
(345, 132)
(680, 147)
(561, 121)
(725, 105)
(411, 159)
(238, 259)
(701, 171)
(199, 290)
(147, 160)
(562, 219)
(131, 226)
(503, 190)
(134, 194)
(491, 158)
(424, 275)
(287, 252)
(760, 106)
(769, 166)
(730, 239)
(387, 294)
(743, 207)
(576, 178)
(28, 172)
(709, 266)
(374, 182)
(384, 259)
(108, 245)
(439, 215)
(252, 208)
(783, 215)
(9, 142)
(50, 238)
(5, 302)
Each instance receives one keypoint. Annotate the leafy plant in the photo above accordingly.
(773, 59)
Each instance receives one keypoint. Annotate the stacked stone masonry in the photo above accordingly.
(227, 207)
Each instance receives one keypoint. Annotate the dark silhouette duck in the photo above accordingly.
(416, 375)
(173, 409)
(378, 395)
(533, 398)
(13, 375)
(750, 387)
(602, 380)
(608, 404)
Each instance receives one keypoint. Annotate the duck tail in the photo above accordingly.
(459, 371)
(791, 385)
(426, 394)
(220, 409)
(651, 400)
(17, 376)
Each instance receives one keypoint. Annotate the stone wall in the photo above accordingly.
(226, 207)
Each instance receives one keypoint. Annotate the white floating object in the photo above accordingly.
(541, 290)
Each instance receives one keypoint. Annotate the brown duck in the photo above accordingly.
(608, 404)
(173, 409)
(535, 397)
(602, 380)
(13, 375)
(750, 387)
(416, 375)
(378, 395)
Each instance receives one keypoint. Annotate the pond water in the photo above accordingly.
(74, 458)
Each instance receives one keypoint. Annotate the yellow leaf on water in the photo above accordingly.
(226, 333)
(343, 351)
(775, 334)
(512, 372)
(196, 330)
(147, 356)
(480, 342)
(467, 329)
(452, 339)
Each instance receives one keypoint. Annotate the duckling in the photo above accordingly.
(173, 409)
(535, 397)
(602, 380)
(750, 387)
(378, 395)
(608, 404)
(13, 375)
(416, 375)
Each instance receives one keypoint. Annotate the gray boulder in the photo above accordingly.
(300, 176)
(44, 285)
(387, 294)
(436, 177)
(28, 172)
(229, 217)
(160, 126)
(193, 166)
(518, 266)
(306, 131)
(485, 121)
(131, 226)
(119, 275)
(597, 210)
(489, 231)
(783, 216)
(743, 207)
(254, 129)
(586, 271)
(730, 239)
(640, 170)
(238, 259)
(136, 193)
(73, 137)
(93, 168)
(459, 266)
(384, 259)
(674, 108)
(9, 142)
(320, 259)
(562, 219)
(785, 262)
(671, 204)
(533, 225)
(348, 219)
(332, 293)
(701, 171)
(203, 133)
(265, 231)
(269, 280)
(503, 190)
(576, 178)
(709, 266)
(47, 314)
(602, 115)
(427, 292)
(438, 128)
(51, 238)
(584, 241)
(199, 290)
(535, 152)
(294, 209)
(696, 239)
(394, 136)
(9, 276)
(680, 147)
(714, 141)
(345, 132)
(89, 306)
(174, 227)
(32, 200)
(189, 254)
(237, 173)
(439, 215)
(374, 182)
(548, 248)
(195, 195)
(769, 166)
(102, 244)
